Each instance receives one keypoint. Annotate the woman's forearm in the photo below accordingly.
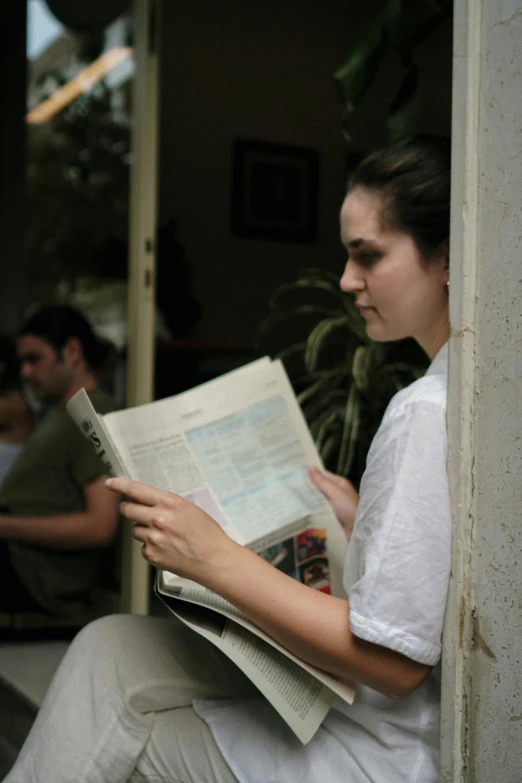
(313, 625)
(178, 536)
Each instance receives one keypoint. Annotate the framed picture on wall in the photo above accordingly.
(274, 191)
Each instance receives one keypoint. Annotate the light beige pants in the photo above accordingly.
(119, 708)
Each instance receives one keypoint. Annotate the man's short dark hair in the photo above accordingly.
(56, 324)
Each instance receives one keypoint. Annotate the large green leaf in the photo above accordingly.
(392, 28)
(403, 118)
(329, 400)
(319, 336)
(328, 422)
(360, 367)
(332, 379)
(291, 325)
(399, 34)
(349, 434)
(357, 72)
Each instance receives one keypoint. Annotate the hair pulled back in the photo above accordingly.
(58, 323)
(413, 178)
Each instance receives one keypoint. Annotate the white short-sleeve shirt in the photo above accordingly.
(396, 577)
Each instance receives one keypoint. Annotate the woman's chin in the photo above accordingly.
(374, 333)
(380, 335)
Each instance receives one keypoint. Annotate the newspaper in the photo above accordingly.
(238, 447)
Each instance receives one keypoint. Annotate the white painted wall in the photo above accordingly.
(482, 677)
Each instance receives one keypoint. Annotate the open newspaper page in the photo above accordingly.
(174, 589)
(300, 698)
(94, 429)
(239, 448)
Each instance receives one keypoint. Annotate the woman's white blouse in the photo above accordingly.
(396, 577)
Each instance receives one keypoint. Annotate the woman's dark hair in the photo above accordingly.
(58, 323)
(413, 177)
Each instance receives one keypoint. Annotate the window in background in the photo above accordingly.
(78, 166)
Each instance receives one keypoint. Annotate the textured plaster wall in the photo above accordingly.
(482, 673)
(497, 692)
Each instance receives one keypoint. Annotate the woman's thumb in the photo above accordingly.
(321, 481)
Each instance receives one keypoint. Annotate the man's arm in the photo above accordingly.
(16, 419)
(90, 529)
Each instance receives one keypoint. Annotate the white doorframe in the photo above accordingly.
(458, 631)
(142, 262)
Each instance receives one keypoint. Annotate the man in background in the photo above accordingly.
(56, 516)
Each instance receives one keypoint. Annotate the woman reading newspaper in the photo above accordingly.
(140, 698)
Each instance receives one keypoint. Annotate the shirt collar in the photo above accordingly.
(439, 365)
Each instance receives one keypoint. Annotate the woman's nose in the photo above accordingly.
(351, 280)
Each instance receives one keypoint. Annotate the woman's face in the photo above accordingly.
(397, 292)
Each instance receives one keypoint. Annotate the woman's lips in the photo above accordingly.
(364, 310)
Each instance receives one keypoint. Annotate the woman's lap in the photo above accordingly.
(123, 691)
(181, 749)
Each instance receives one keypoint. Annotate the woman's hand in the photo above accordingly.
(341, 494)
(176, 535)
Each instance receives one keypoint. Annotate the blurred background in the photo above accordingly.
(251, 159)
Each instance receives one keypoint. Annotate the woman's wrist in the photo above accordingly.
(218, 570)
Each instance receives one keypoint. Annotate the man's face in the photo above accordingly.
(43, 368)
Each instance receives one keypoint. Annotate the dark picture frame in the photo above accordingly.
(274, 191)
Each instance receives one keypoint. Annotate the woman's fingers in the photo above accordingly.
(142, 493)
(340, 481)
(341, 494)
(327, 481)
(321, 481)
(134, 512)
(176, 535)
(140, 533)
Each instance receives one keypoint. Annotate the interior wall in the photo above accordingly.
(263, 71)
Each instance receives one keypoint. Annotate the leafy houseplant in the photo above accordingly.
(342, 379)
(402, 26)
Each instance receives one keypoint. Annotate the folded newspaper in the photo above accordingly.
(238, 446)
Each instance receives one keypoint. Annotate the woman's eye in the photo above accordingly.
(367, 259)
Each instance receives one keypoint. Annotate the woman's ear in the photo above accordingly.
(443, 260)
(446, 267)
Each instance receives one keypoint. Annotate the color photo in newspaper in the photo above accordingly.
(303, 557)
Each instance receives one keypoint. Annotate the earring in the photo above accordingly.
(447, 284)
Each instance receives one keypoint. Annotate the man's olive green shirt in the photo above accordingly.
(48, 479)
